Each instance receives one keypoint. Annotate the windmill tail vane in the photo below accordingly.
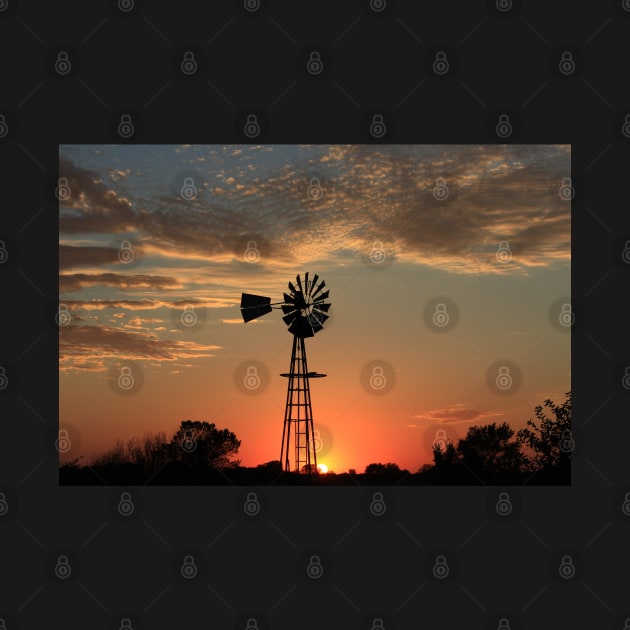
(305, 310)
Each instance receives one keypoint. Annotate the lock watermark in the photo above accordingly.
(315, 191)
(252, 127)
(378, 253)
(440, 190)
(504, 377)
(503, 505)
(252, 253)
(126, 378)
(126, 6)
(188, 65)
(188, 568)
(63, 316)
(322, 439)
(65, 440)
(251, 505)
(315, 64)
(439, 436)
(314, 566)
(126, 506)
(377, 6)
(188, 317)
(63, 65)
(251, 377)
(126, 127)
(441, 314)
(188, 190)
(378, 377)
(504, 252)
(63, 192)
(566, 65)
(126, 254)
(378, 128)
(378, 507)
(63, 566)
(562, 314)
(440, 65)
(503, 128)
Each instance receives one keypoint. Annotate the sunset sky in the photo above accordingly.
(158, 242)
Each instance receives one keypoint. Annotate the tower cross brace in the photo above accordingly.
(298, 416)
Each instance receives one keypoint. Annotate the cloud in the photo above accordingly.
(454, 413)
(71, 256)
(145, 305)
(78, 281)
(91, 205)
(367, 194)
(90, 347)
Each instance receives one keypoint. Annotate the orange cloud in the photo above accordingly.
(77, 281)
(455, 413)
(88, 347)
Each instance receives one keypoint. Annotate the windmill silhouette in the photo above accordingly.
(305, 311)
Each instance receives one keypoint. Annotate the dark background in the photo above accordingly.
(376, 59)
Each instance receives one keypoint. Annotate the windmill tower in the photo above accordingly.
(304, 309)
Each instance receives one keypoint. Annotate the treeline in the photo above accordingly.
(199, 453)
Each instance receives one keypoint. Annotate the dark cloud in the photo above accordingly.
(92, 206)
(78, 281)
(88, 347)
(71, 256)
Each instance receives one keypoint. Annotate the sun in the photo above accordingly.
(322, 468)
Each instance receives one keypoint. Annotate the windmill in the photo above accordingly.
(305, 311)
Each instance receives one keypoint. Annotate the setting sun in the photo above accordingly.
(322, 468)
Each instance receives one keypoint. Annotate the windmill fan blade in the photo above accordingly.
(291, 287)
(306, 283)
(319, 288)
(289, 299)
(313, 283)
(316, 327)
(299, 282)
(322, 297)
(320, 318)
(254, 306)
(321, 307)
(301, 328)
(298, 300)
(290, 318)
(317, 320)
(286, 308)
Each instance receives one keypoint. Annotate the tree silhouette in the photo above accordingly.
(382, 469)
(201, 445)
(487, 454)
(490, 452)
(384, 473)
(547, 441)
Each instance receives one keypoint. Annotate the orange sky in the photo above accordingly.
(368, 220)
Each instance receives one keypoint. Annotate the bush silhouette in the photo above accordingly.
(201, 445)
(489, 454)
(551, 460)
